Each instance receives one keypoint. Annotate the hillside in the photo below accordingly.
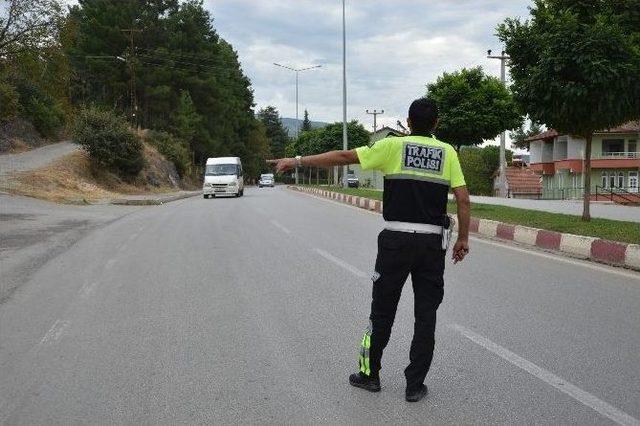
(290, 125)
(72, 179)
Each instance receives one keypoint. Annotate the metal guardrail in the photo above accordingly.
(615, 194)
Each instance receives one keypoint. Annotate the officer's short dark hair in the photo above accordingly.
(423, 114)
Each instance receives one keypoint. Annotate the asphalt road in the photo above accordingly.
(38, 157)
(250, 310)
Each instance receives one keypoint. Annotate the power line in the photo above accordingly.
(184, 62)
(375, 114)
(132, 70)
(168, 55)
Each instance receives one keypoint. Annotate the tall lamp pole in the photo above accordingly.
(502, 178)
(345, 144)
(297, 71)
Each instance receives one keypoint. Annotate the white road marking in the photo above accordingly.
(279, 226)
(54, 333)
(559, 258)
(355, 271)
(87, 289)
(551, 379)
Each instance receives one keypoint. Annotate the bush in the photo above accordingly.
(109, 141)
(479, 166)
(41, 109)
(9, 101)
(173, 149)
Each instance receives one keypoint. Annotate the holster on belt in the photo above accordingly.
(447, 230)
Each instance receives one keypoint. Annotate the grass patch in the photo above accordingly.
(614, 230)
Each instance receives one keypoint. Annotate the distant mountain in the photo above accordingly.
(290, 125)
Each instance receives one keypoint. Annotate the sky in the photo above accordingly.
(394, 48)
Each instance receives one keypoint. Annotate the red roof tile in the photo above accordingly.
(630, 127)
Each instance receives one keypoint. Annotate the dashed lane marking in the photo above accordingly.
(355, 271)
(55, 332)
(280, 227)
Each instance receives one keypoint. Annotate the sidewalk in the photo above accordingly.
(572, 207)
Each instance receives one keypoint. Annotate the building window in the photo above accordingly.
(633, 148)
(620, 180)
(611, 147)
(612, 180)
(605, 180)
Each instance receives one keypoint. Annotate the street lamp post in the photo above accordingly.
(345, 144)
(502, 178)
(297, 71)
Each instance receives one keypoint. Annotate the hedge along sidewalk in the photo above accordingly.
(594, 248)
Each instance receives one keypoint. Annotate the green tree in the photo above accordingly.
(186, 119)
(520, 135)
(28, 25)
(275, 131)
(177, 50)
(575, 66)
(473, 107)
(328, 138)
(306, 123)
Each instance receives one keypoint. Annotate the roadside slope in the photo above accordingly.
(65, 175)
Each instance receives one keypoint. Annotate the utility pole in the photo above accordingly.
(375, 114)
(502, 177)
(345, 141)
(297, 71)
(132, 73)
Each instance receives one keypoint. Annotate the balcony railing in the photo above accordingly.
(608, 155)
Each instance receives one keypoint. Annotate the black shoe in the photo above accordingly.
(359, 380)
(416, 395)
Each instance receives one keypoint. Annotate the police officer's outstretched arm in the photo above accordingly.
(327, 159)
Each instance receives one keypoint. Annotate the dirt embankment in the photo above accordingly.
(19, 135)
(72, 179)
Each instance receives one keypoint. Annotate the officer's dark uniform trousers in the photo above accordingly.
(401, 254)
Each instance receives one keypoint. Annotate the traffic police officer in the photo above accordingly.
(419, 171)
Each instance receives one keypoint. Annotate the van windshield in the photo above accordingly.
(221, 169)
(267, 176)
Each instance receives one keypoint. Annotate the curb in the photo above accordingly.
(578, 246)
(154, 201)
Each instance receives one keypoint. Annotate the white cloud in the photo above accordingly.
(394, 49)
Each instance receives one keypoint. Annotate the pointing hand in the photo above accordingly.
(283, 164)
